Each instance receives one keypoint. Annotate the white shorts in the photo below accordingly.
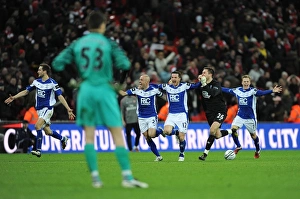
(147, 123)
(46, 114)
(178, 119)
(250, 124)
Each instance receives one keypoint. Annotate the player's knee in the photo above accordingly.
(146, 137)
(212, 131)
(168, 130)
(37, 126)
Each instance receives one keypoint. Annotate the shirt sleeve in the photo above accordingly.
(131, 91)
(261, 93)
(64, 58)
(193, 85)
(159, 93)
(120, 60)
(31, 87)
(225, 90)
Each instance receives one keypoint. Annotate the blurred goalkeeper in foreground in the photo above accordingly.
(94, 56)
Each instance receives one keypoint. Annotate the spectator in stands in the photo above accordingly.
(162, 65)
(277, 113)
(276, 72)
(277, 50)
(5, 60)
(18, 46)
(255, 73)
(5, 113)
(293, 84)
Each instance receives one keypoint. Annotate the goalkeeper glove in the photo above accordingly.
(203, 81)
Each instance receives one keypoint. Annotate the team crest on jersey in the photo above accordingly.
(205, 94)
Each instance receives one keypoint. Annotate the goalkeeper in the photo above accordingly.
(94, 56)
(214, 107)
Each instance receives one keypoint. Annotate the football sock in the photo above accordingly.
(56, 135)
(256, 143)
(91, 157)
(123, 159)
(210, 141)
(95, 176)
(174, 132)
(224, 133)
(206, 152)
(39, 138)
(182, 146)
(159, 131)
(153, 147)
(235, 137)
(234, 132)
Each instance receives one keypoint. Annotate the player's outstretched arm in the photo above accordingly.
(277, 89)
(122, 93)
(12, 98)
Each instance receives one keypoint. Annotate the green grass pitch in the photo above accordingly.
(275, 175)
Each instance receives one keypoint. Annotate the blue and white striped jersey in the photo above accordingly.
(45, 92)
(177, 96)
(246, 100)
(146, 103)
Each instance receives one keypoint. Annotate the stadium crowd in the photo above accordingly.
(259, 38)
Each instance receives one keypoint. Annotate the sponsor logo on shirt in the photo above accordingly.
(243, 101)
(40, 93)
(145, 101)
(174, 97)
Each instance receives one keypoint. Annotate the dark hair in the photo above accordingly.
(177, 72)
(46, 67)
(95, 19)
(210, 70)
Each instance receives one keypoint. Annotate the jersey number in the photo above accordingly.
(220, 116)
(98, 61)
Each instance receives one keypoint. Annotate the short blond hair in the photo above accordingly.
(246, 76)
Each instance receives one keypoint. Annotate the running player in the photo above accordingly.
(46, 90)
